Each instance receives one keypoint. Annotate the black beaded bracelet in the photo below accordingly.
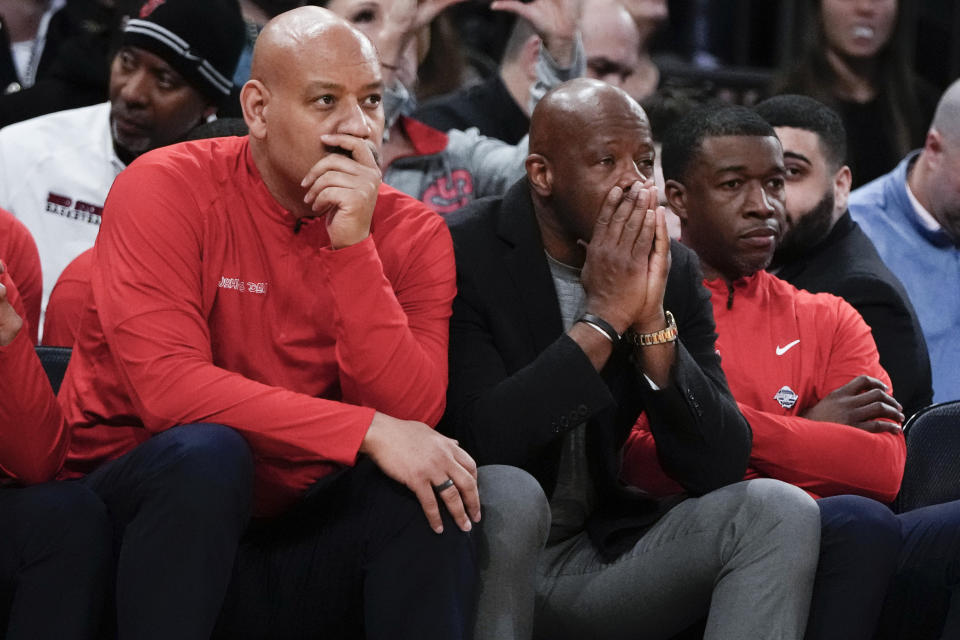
(602, 325)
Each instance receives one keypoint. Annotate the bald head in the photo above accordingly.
(587, 138)
(315, 89)
(946, 120)
(573, 109)
(289, 35)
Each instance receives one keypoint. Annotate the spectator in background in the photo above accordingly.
(649, 16)
(448, 170)
(823, 250)
(80, 40)
(55, 550)
(31, 31)
(855, 59)
(500, 105)
(171, 72)
(663, 108)
(912, 215)
(611, 41)
(614, 41)
(19, 252)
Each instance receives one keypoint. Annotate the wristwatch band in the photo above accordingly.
(668, 334)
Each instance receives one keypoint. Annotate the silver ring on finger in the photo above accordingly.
(443, 486)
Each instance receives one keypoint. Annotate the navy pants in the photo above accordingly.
(356, 556)
(923, 602)
(55, 561)
(872, 565)
(356, 559)
(860, 546)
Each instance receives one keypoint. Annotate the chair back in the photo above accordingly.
(932, 472)
(54, 361)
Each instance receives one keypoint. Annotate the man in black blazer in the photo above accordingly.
(824, 250)
(560, 340)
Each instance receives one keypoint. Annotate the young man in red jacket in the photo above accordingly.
(805, 372)
(55, 549)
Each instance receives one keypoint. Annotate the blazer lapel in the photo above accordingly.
(526, 265)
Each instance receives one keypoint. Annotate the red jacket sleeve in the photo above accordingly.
(20, 254)
(640, 465)
(392, 341)
(826, 458)
(33, 435)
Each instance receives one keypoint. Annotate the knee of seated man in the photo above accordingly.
(514, 509)
(771, 503)
(201, 461)
(864, 524)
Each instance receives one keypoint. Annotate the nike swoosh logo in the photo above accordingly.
(783, 350)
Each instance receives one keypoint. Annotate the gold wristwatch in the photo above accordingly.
(669, 334)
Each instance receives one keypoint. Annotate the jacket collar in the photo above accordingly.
(841, 229)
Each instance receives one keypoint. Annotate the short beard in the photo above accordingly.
(811, 227)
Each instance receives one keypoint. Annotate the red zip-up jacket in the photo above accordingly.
(212, 304)
(783, 350)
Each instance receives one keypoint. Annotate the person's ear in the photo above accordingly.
(933, 146)
(676, 195)
(539, 174)
(529, 56)
(254, 98)
(842, 182)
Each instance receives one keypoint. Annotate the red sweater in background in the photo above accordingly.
(211, 304)
(33, 436)
(783, 350)
(19, 253)
(65, 306)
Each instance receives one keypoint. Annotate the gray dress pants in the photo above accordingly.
(744, 555)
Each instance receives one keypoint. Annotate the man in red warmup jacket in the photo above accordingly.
(267, 333)
(55, 546)
(805, 372)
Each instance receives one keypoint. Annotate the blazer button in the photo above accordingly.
(583, 411)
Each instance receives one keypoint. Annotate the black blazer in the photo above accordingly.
(518, 383)
(847, 265)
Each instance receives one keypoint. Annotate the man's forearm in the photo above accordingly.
(827, 458)
(392, 338)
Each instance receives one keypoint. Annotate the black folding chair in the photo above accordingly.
(54, 361)
(931, 476)
(932, 473)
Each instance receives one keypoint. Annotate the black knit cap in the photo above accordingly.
(201, 39)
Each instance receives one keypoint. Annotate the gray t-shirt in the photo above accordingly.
(574, 497)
